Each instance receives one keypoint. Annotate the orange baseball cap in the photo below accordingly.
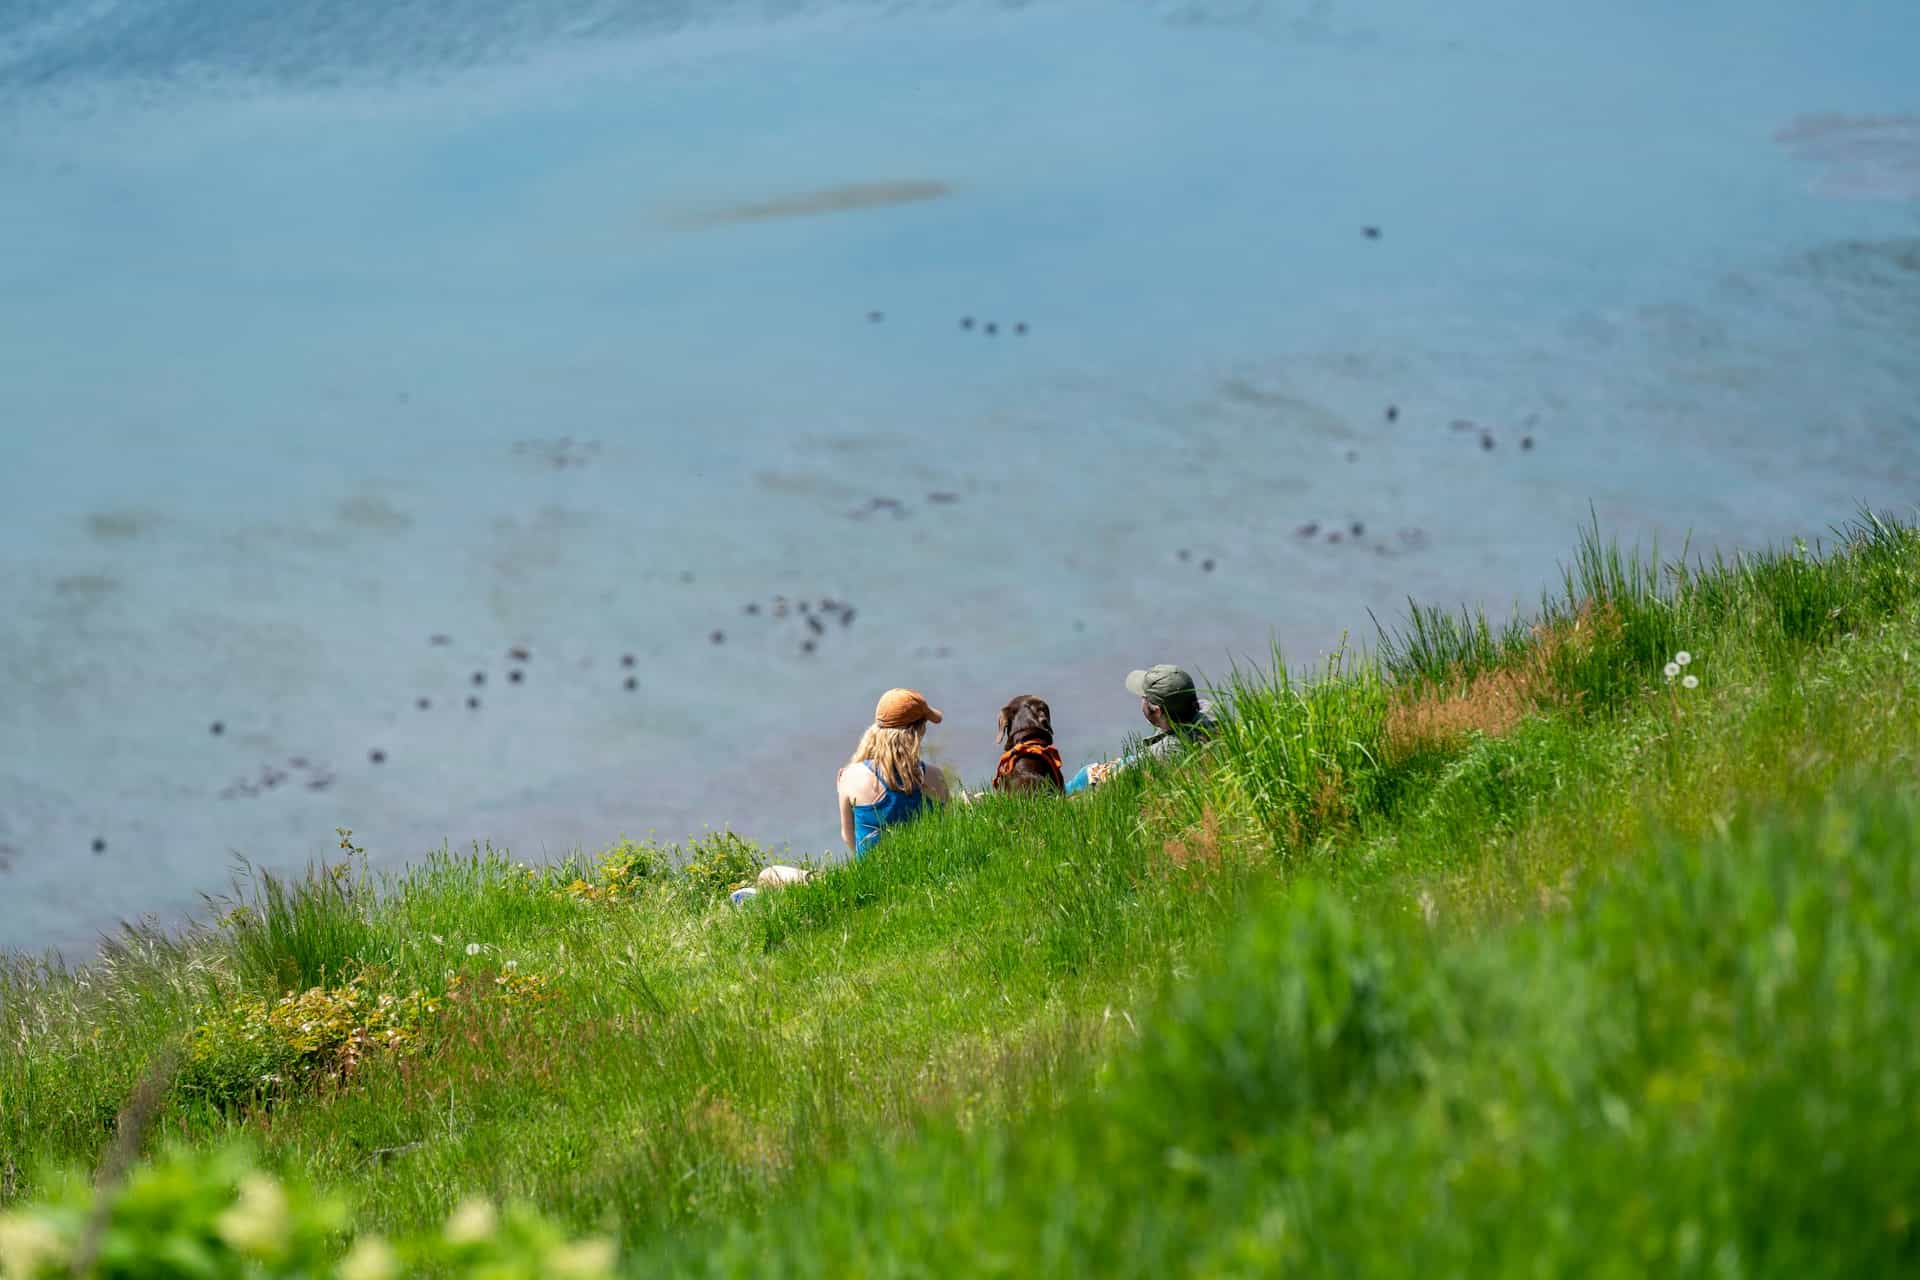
(901, 707)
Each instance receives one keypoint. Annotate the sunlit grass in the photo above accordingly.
(1363, 984)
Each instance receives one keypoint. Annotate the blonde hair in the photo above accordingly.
(895, 754)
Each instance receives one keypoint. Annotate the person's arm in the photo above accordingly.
(846, 811)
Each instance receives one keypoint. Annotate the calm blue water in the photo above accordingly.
(326, 328)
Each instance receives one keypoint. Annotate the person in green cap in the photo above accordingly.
(1173, 706)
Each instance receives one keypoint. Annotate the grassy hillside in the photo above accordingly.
(1498, 951)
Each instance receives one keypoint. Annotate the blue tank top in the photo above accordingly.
(892, 806)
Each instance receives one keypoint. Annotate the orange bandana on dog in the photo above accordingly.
(1048, 755)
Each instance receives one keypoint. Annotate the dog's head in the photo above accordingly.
(1025, 719)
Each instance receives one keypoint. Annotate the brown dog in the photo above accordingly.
(1028, 758)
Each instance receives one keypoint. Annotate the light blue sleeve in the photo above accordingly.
(1079, 782)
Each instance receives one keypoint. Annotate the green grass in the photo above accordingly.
(1623, 988)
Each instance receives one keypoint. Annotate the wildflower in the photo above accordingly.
(511, 964)
(1691, 682)
(257, 1222)
(28, 1245)
(1672, 669)
(474, 948)
(1683, 657)
(371, 1258)
(473, 1222)
(582, 1260)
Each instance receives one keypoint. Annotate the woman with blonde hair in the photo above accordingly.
(886, 781)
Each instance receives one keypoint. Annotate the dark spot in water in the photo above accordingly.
(1371, 233)
(216, 728)
(943, 496)
(320, 783)
(875, 317)
(626, 659)
(803, 606)
(816, 626)
(990, 328)
(966, 322)
(1526, 442)
(516, 675)
(519, 653)
(807, 646)
(752, 610)
(686, 575)
(631, 682)
(99, 845)
(846, 616)
(271, 777)
(718, 637)
(377, 756)
(1463, 424)
(1393, 413)
(1183, 555)
(479, 677)
(1334, 536)
(423, 703)
(1486, 441)
(1021, 328)
(1206, 566)
(473, 703)
(1308, 529)
(1353, 455)
(1078, 625)
(1357, 529)
(296, 762)
(437, 638)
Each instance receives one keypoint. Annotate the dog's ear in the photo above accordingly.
(1005, 726)
(1042, 715)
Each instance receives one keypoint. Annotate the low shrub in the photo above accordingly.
(216, 1214)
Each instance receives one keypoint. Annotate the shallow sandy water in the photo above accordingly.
(305, 365)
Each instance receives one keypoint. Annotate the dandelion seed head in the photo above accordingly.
(473, 948)
(1691, 682)
(1683, 657)
(1672, 670)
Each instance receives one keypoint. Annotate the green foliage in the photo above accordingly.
(183, 1213)
(290, 935)
(1438, 646)
(214, 1213)
(252, 1049)
(1299, 756)
(718, 862)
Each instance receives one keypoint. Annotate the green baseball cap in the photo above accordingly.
(1163, 685)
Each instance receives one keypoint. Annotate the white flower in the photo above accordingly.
(1683, 657)
(371, 1258)
(473, 948)
(1672, 670)
(28, 1245)
(472, 1222)
(257, 1223)
(1691, 682)
(582, 1260)
(511, 964)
